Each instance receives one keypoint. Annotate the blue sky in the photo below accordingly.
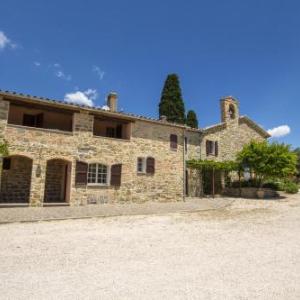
(84, 49)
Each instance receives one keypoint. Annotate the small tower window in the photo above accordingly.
(231, 111)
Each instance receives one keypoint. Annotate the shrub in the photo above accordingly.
(291, 187)
(274, 185)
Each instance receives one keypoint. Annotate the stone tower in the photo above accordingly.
(229, 109)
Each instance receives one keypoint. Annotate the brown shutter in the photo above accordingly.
(207, 148)
(116, 172)
(6, 163)
(173, 141)
(81, 173)
(216, 148)
(40, 120)
(150, 165)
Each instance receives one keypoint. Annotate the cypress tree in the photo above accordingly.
(171, 104)
(191, 119)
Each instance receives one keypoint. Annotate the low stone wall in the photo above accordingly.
(250, 192)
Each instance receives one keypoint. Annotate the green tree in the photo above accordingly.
(171, 104)
(268, 160)
(191, 119)
(297, 152)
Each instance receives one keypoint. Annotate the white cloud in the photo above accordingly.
(6, 42)
(37, 64)
(62, 75)
(83, 98)
(99, 72)
(279, 131)
(105, 107)
(56, 65)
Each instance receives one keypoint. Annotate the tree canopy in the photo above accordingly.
(268, 160)
(297, 152)
(171, 104)
(191, 119)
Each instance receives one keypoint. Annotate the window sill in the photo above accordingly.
(211, 154)
(98, 186)
(141, 173)
(111, 138)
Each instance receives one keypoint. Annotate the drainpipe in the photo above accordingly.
(184, 166)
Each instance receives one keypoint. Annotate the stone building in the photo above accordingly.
(63, 153)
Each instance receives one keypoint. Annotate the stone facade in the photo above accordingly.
(231, 135)
(54, 154)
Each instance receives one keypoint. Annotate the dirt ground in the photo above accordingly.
(248, 250)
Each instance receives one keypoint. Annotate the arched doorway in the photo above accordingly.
(57, 183)
(16, 179)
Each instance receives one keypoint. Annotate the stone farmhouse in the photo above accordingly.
(67, 154)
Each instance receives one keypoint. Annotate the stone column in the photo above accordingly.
(4, 108)
(83, 124)
(38, 177)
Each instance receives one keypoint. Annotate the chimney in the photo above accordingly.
(112, 101)
(163, 118)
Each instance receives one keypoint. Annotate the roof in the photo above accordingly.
(96, 110)
(242, 119)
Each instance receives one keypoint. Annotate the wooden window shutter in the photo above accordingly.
(40, 120)
(150, 165)
(81, 173)
(207, 148)
(216, 148)
(116, 173)
(173, 141)
(6, 164)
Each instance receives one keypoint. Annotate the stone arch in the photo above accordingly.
(232, 111)
(16, 179)
(57, 181)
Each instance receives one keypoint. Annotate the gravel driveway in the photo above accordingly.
(250, 250)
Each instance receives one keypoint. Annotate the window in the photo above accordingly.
(173, 141)
(141, 165)
(6, 163)
(33, 120)
(97, 174)
(110, 132)
(146, 165)
(212, 148)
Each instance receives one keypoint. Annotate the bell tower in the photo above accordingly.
(229, 109)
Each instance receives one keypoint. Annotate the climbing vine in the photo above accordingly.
(3, 148)
(216, 165)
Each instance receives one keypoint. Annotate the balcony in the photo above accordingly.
(112, 128)
(40, 117)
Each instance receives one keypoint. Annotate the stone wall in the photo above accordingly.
(147, 139)
(231, 139)
(15, 182)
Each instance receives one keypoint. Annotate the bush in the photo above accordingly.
(248, 183)
(291, 187)
(274, 185)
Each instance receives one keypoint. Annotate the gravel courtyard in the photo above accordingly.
(248, 250)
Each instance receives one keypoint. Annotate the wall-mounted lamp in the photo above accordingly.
(38, 171)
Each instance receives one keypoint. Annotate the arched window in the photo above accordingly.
(231, 111)
(97, 174)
